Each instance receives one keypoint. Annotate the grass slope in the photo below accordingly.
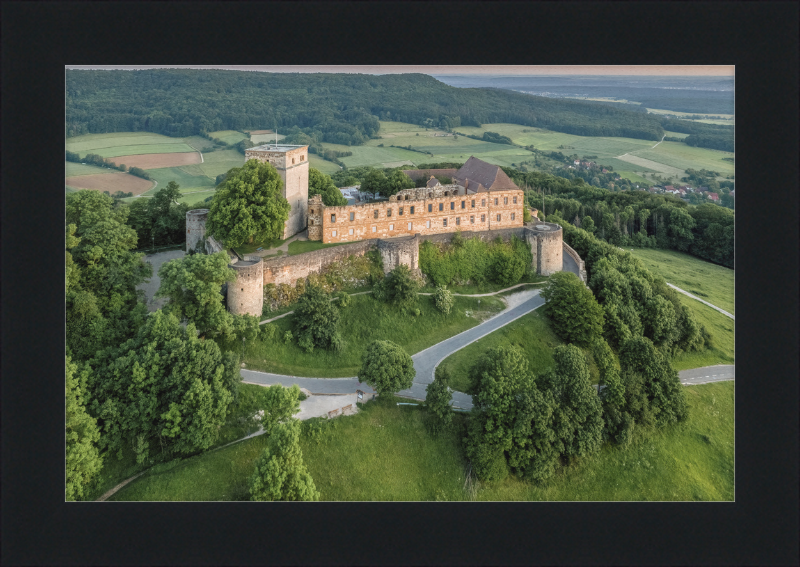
(708, 281)
(385, 453)
(364, 321)
(228, 136)
(301, 246)
(721, 328)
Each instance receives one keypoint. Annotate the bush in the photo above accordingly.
(344, 299)
(443, 299)
(399, 287)
(315, 320)
(437, 402)
(386, 367)
(287, 337)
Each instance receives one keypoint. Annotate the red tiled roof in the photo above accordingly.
(417, 173)
(491, 177)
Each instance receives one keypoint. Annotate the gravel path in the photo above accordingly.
(676, 288)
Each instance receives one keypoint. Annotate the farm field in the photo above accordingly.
(72, 169)
(91, 143)
(220, 162)
(188, 180)
(196, 197)
(708, 281)
(153, 161)
(676, 154)
(111, 182)
(641, 164)
(264, 137)
(365, 320)
(322, 165)
(724, 119)
(228, 136)
(386, 453)
(199, 143)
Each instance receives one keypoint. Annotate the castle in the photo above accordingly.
(481, 200)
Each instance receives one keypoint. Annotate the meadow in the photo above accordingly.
(72, 169)
(385, 453)
(366, 320)
(708, 281)
(230, 137)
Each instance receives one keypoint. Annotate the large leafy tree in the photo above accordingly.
(160, 219)
(321, 184)
(374, 182)
(83, 460)
(103, 306)
(316, 319)
(571, 306)
(386, 367)
(279, 404)
(618, 422)
(193, 285)
(577, 420)
(437, 401)
(248, 205)
(280, 473)
(164, 390)
(397, 181)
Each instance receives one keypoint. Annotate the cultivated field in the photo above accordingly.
(72, 169)
(264, 136)
(152, 161)
(111, 182)
(220, 162)
(322, 165)
(641, 164)
(228, 136)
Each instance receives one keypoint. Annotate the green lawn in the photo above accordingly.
(199, 143)
(301, 246)
(228, 136)
(364, 321)
(708, 281)
(530, 332)
(248, 248)
(385, 453)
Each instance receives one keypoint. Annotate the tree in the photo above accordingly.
(374, 182)
(280, 473)
(577, 419)
(399, 287)
(443, 298)
(575, 313)
(507, 267)
(618, 422)
(587, 224)
(437, 401)
(163, 388)
(315, 320)
(661, 322)
(386, 367)
(321, 184)
(396, 182)
(83, 460)
(193, 285)
(680, 229)
(248, 205)
(280, 404)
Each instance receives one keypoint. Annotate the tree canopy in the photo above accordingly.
(571, 306)
(248, 205)
(386, 367)
(321, 184)
(315, 320)
(160, 219)
(280, 473)
(83, 460)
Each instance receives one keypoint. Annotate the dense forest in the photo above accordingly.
(334, 108)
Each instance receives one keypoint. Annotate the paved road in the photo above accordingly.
(676, 288)
(718, 373)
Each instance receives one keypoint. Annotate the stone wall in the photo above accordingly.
(581, 265)
(246, 294)
(396, 251)
(212, 246)
(443, 214)
(195, 227)
(288, 269)
(315, 217)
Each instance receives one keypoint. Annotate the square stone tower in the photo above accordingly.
(292, 165)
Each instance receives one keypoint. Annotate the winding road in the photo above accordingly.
(676, 288)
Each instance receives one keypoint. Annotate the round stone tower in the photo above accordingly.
(546, 241)
(401, 250)
(195, 228)
(246, 294)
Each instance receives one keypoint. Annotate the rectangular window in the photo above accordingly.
(483, 218)
(473, 203)
(452, 206)
(430, 208)
(375, 214)
(458, 220)
(352, 217)
(505, 200)
(498, 218)
(515, 200)
(333, 218)
(391, 227)
(496, 201)
(333, 233)
(444, 222)
(401, 211)
(351, 232)
(409, 226)
(463, 204)
(441, 206)
(388, 212)
(483, 202)
(427, 224)
(374, 229)
(513, 216)
(412, 210)
(472, 219)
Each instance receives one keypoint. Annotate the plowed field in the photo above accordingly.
(153, 161)
(111, 182)
(260, 132)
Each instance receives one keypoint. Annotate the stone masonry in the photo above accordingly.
(292, 165)
(545, 239)
(195, 228)
(246, 294)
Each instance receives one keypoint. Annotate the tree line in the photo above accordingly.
(100, 161)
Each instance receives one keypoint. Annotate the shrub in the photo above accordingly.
(344, 299)
(280, 473)
(386, 367)
(399, 287)
(287, 337)
(573, 310)
(315, 320)
(443, 299)
(437, 402)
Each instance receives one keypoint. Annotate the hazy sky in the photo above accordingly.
(703, 70)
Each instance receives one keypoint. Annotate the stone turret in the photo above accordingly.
(546, 242)
(246, 294)
(195, 228)
(396, 251)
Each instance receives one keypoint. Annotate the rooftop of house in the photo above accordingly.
(487, 176)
